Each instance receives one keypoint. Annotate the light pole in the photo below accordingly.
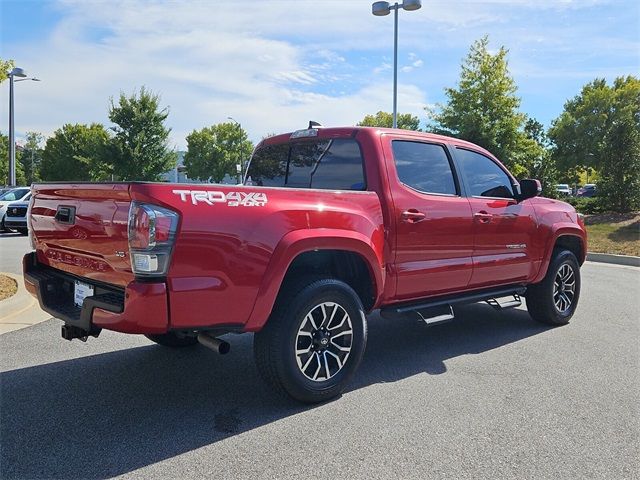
(380, 9)
(16, 72)
(239, 168)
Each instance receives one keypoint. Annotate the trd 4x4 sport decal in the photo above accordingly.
(232, 199)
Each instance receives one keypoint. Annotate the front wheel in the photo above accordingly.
(313, 342)
(554, 300)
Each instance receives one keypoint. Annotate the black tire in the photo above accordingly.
(171, 339)
(23, 231)
(3, 228)
(544, 300)
(277, 345)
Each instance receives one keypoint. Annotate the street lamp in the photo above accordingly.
(239, 168)
(16, 72)
(381, 9)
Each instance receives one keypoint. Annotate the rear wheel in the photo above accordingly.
(313, 342)
(555, 299)
(172, 339)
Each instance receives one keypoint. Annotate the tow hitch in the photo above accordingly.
(69, 332)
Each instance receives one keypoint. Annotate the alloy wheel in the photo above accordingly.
(324, 341)
(564, 287)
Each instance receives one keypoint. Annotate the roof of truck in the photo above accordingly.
(347, 132)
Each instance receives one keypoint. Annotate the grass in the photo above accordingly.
(8, 287)
(614, 233)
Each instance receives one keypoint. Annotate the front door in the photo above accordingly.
(503, 228)
(434, 227)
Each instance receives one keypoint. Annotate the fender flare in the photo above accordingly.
(561, 230)
(301, 241)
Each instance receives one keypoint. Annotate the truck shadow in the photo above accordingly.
(108, 414)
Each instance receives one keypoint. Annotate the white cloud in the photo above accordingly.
(269, 70)
(207, 61)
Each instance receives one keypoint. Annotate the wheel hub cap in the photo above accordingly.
(321, 339)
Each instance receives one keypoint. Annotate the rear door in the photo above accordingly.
(434, 229)
(503, 229)
(82, 229)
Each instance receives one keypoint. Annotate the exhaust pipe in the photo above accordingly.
(213, 343)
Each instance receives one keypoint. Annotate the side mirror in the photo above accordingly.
(529, 188)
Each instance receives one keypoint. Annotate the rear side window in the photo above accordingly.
(484, 177)
(424, 167)
(333, 164)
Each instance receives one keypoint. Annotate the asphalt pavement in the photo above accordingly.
(489, 395)
(13, 246)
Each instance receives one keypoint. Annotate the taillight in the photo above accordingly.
(152, 231)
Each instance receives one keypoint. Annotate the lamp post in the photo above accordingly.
(381, 9)
(239, 168)
(16, 72)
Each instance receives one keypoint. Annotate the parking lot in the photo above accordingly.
(489, 395)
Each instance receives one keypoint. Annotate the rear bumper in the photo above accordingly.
(138, 308)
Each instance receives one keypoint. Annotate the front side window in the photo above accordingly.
(333, 164)
(484, 177)
(424, 167)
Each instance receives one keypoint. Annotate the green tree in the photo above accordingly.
(540, 164)
(406, 121)
(139, 150)
(600, 129)
(5, 68)
(74, 153)
(31, 157)
(213, 152)
(484, 108)
(4, 163)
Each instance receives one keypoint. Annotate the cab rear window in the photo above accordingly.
(333, 164)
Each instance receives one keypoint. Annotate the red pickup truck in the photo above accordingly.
(329, 225)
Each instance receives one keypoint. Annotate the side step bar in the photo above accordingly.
(440, 309)
(508, 301)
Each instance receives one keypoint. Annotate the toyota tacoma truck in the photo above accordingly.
(329, 225)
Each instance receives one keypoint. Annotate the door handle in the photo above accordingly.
(413, 216)
(483, 217)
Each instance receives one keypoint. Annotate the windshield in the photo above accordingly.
(12, 195)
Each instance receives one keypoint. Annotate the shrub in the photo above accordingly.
(586, 205)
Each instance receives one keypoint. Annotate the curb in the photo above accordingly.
(627, 260)
(20, 310)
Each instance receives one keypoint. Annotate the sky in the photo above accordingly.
(273, 65)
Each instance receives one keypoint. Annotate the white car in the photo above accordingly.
(564, 189)
(13, 195)
(16, 216)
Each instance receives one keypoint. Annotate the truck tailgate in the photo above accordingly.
(82, 229)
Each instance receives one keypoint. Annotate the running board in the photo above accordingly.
(502, 303)
(440, 309)
(434, 315)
